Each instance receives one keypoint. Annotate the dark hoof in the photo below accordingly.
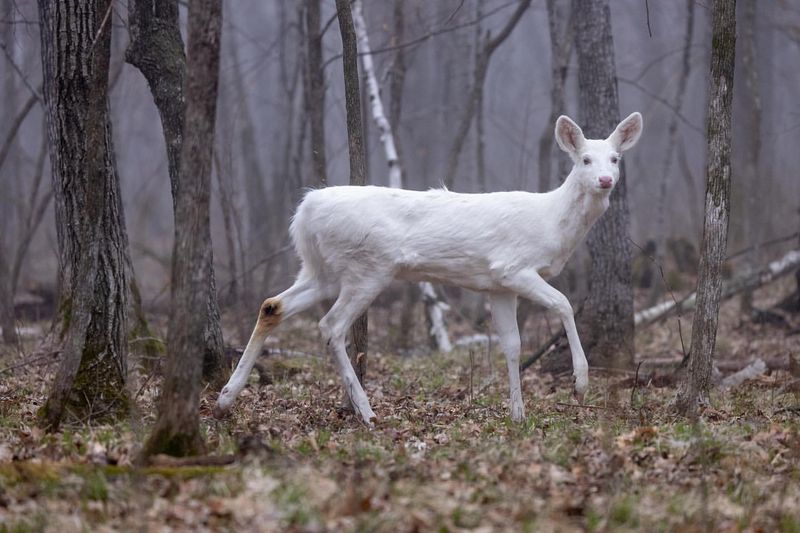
(579, 396)
(220, 413)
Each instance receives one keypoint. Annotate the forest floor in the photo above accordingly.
(444, 454)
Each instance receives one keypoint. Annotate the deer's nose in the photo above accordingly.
(606, 182)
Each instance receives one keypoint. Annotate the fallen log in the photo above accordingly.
(751, 371)
(773, 363)
(783, 266)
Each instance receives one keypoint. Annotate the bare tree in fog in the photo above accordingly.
(695, 385)
(315, 91)
(751, 181)
(7, 315)
(177, 430)
(93, 278)
(484, 56)
(21, 212)
(358, 164)
(30, 210)
(606, 324)
(156, 49)
(562, 33)
(673, 138)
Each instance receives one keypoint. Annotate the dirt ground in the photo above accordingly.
(444, 456)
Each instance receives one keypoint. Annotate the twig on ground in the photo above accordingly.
(635, 382)
(196, 460)
(33, 361)
(581, 406)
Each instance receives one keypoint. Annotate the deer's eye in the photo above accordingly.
(587, 160)
(614, 159)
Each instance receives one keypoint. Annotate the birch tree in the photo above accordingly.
(93, 280)
(694, 387)
(434, 306)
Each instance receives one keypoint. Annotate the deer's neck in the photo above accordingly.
(578, 209)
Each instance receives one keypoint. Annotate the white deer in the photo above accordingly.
(353, 241)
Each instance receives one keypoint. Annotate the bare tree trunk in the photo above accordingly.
(355, 141)
(398, 77)
(752, 180)
(177, 430)
(91, 381)
(255, 234)
(560, 23)
(14, 120)
(31, 211)
(694, 387)
(7, 317)
(606, 324)
(156, 49)
(480, 141)
(283, 183)
(672, 142)
(396, 85)
(562, 36)
(481, 69)
(315, 100)
(34, 212)
(365, 119)
(228, 215)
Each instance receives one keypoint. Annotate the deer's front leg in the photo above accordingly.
(504, 315)
(531, 285)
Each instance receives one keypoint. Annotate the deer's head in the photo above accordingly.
(596, 161)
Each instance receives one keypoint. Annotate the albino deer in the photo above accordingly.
(353, 241)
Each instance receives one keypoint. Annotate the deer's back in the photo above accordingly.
(434, 235)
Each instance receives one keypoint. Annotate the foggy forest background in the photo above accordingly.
(262, 147)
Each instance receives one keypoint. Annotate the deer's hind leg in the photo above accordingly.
(302, 295)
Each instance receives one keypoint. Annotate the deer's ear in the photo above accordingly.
(569, 135)
(627, 133)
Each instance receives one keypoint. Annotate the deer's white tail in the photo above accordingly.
(304, 241)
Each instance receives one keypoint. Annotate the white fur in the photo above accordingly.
(354, 241)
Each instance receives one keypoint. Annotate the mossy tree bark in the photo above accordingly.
(93, 280)
(177, 430)
(606, 324)
(358, 165)
(694, 387)
(156, 49)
